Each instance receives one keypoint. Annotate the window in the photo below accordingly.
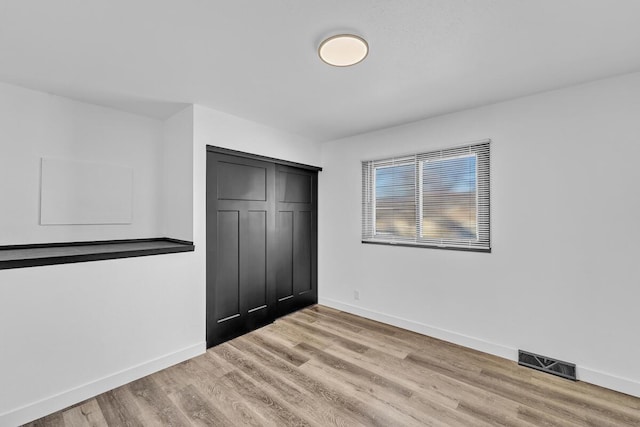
(438, 198)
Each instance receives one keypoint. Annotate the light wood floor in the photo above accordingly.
(323, 367)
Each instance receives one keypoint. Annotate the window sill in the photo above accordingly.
(36, 255)
(418, 245)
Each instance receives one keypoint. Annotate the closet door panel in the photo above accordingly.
(256, 265)
(240, 235)
(241, 182)
(297, 230)
(294, 187)
(284, 277)
(302, 251)
(227, 298)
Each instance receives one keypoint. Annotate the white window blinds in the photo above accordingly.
(437, 198)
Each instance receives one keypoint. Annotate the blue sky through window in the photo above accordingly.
(456, 174)
(395, 181)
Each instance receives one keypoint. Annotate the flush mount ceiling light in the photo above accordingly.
(343, 50)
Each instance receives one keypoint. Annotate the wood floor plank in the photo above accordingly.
(119, 408)
(306, 405)
(326, 318)
(481, 413)
(228, 401)
(88, 414)
(382, 405)
(424, 392)
(593, 408)
(174, 378)
(382, 387)
(307, 329)
(324, 367)
(355, 371)
(155, 404)
(290, 355)
(322, 309)
(270, 332)
(381, 342)
(325, 396)
(440, 392)
(542, 419)
(591, 394)
(53, 420)
(198, 409)
(303, 315)
(297, 335)
(359, 321)
(273, 408)
(508, 390)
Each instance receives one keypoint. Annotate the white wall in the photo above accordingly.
(563, 277)
(35, 125)
(177, 174)
(225, 130)
(69, 332)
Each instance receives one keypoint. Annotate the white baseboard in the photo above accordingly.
(585, 374)
(421, 328)
(623, 385)
(59, 401)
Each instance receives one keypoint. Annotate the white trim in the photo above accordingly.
(584, 373)
(443, 157)
(419, 160)
(69, 397)
(478, 196)
(610, 381)
(413, 153)
(420, 179)
(374, 205)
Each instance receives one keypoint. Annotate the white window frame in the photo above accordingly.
(479, 150)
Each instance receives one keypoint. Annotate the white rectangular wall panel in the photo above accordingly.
(75, 192)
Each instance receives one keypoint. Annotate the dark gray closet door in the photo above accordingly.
(297, 229)
(240, 240)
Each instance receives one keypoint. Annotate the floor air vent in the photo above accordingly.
(547, 364)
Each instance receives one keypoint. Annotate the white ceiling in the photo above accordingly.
(257, 58)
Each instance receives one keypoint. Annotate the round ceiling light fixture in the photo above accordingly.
(343, 50)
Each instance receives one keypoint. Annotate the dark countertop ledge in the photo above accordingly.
(35, 255)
